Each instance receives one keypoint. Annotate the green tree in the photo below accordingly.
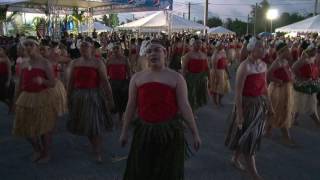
(111, 20)
(3, 16)
(77, 17)
(237, 26)
(260, 15)
(214, 22)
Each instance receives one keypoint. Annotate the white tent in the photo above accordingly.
(220, 30)
(96, 25)
(162, 21)
(7, 2)
(310, 25)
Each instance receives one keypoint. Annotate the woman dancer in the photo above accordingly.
(90, 98)
(281, 92)
(306, 84)
(158, 147)
(176, 54)
(35, 114)
(251, 108)
(196, 71)
(119, 74)
(5, 79)
(219, 75)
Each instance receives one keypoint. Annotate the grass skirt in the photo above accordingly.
(307, 87)
(35, 114)
(305, 103)
(6, 93)
(120, 90)
(219, 82)
(59, 98)
(197, 89)
(88, 113)
(175, 62)
(157, 151)
(282, 100)
(248, 139)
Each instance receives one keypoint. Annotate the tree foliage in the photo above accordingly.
(111, 20)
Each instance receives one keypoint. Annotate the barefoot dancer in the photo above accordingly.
(306, 84)
(250, 112)
(90, 98)
(119, 74)
(158, 147)
(219, 76)
(35, 114)
(281, 92)
(196, 71)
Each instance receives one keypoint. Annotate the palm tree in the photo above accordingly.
(3, 16)
(77, 17)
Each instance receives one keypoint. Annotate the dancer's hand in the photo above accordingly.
(196, 142)
(123, 139)
(239, 120)
(38, 80)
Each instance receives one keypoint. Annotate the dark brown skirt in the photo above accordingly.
(157, 151)
(248, 139)
(89, 114)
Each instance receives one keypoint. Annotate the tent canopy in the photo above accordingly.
(310, 25)
(220, 30)
(161, 21)
(96, 25)
(100, 7)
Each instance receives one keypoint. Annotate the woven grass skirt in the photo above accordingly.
(248, 139)
(197, 89)
(219, 82)
(157, 151)
(305, 103)
(59, 98)
(282, 100)
(120, 91)
(175, 62)
(35, 114)
(6, 93)
(89, 114)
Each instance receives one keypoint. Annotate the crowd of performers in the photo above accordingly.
(157, 86)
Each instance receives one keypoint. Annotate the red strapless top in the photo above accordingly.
(85, 77)
(309, 71)
(56, 70)
(197, 65)
(222, 63)
(178, 50)
(204, 49)
(295, 54)
(117, 71)
(133, 51)
(267, 59)
(157, 102)
(255, 85)
(283, 74)
(232, 46)
(3, 68)
(27, 80)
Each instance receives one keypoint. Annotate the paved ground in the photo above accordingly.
(72, 159)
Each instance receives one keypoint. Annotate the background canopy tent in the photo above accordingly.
(99, 27)
(310, 25)
(101, 7)
(162, 21)
(220, 30)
